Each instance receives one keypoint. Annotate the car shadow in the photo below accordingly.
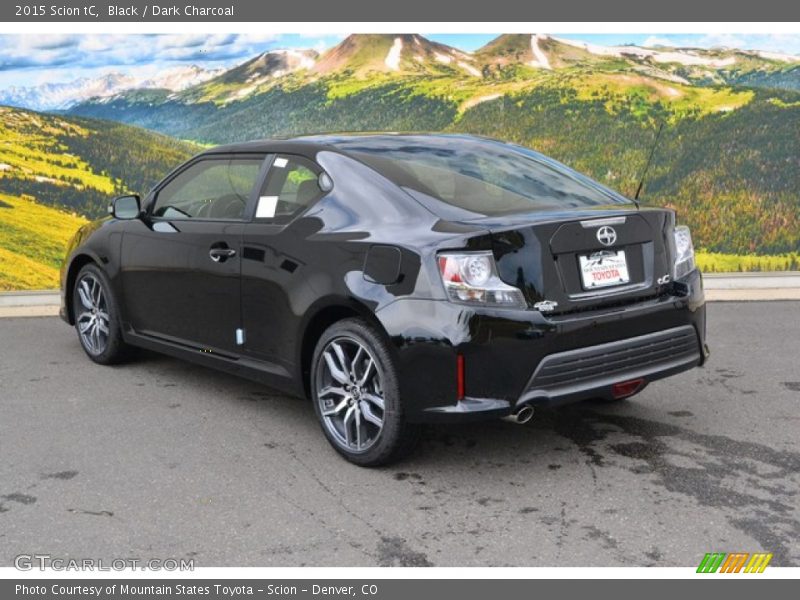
(552, 431)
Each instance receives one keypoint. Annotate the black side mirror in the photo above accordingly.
(125, 207)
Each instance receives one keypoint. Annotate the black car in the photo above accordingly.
(394, 280)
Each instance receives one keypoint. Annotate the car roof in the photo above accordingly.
(310, 144)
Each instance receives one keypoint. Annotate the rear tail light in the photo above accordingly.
(684, 252)
(460, 387)
(626, 388)
(471, 278)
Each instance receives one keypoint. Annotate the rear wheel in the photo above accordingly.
(356, 395)
(97, 317)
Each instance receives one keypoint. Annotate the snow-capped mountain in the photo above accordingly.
(61, 96)
(506, 58)
(270, 64)
(177, 79)
(248, 77)
(703, 66)
(360, 54)
(546, 51)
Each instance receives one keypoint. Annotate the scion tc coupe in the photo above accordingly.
(394, 280)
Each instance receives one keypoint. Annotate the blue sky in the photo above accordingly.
(27, 60)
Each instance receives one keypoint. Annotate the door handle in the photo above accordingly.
(218, 254)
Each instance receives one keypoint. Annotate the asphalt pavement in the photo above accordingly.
(162, 459)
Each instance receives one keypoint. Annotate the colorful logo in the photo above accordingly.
(737, 562)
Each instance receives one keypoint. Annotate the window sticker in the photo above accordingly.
(266, 207)
(280, 162)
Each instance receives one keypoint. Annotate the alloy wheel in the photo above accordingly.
(350, 394)
(93, 320)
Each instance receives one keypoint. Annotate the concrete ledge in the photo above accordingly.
(738, 287)
(29, 311)
(37, 303)
(751, 295)
(30, 298)
(752, 281)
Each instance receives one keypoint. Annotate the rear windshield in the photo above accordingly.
(479, 176)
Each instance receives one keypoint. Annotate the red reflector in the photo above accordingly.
(626, 388)
(460, 376)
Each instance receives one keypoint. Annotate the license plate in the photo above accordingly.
(604, 268)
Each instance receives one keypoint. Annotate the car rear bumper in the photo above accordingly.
(605, 368)
(593, 371)
(514, 358)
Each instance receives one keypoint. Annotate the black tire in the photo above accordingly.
(396, 437)
(113, 349)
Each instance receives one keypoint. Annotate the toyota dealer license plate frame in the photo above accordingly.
(603, 269)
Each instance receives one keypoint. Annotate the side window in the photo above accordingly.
(292, 185)
(214, 188)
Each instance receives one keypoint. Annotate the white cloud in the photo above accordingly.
(782, 43)
(87, 51)
(655, 40)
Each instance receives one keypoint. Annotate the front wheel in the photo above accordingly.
(356, 395)
(97, 317)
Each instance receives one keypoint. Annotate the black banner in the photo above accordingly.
(409, 10)
(377, 589)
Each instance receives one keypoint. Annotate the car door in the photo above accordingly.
(181, 263)
(275, 249)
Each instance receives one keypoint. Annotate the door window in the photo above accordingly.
(214, 188)
(292, 185)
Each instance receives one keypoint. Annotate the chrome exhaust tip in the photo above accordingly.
(521, 416)
(524, 414)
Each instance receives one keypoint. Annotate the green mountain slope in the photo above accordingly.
(786, 78)
(249, 77)
(55, 172)
(77, 163)
(32, 242)
(733, 176)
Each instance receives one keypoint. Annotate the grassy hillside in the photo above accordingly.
(55, 173)
(77, 163)
(32, 242)
(715, 262)
(732, 175)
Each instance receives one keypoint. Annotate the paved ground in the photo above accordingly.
(162, 459)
